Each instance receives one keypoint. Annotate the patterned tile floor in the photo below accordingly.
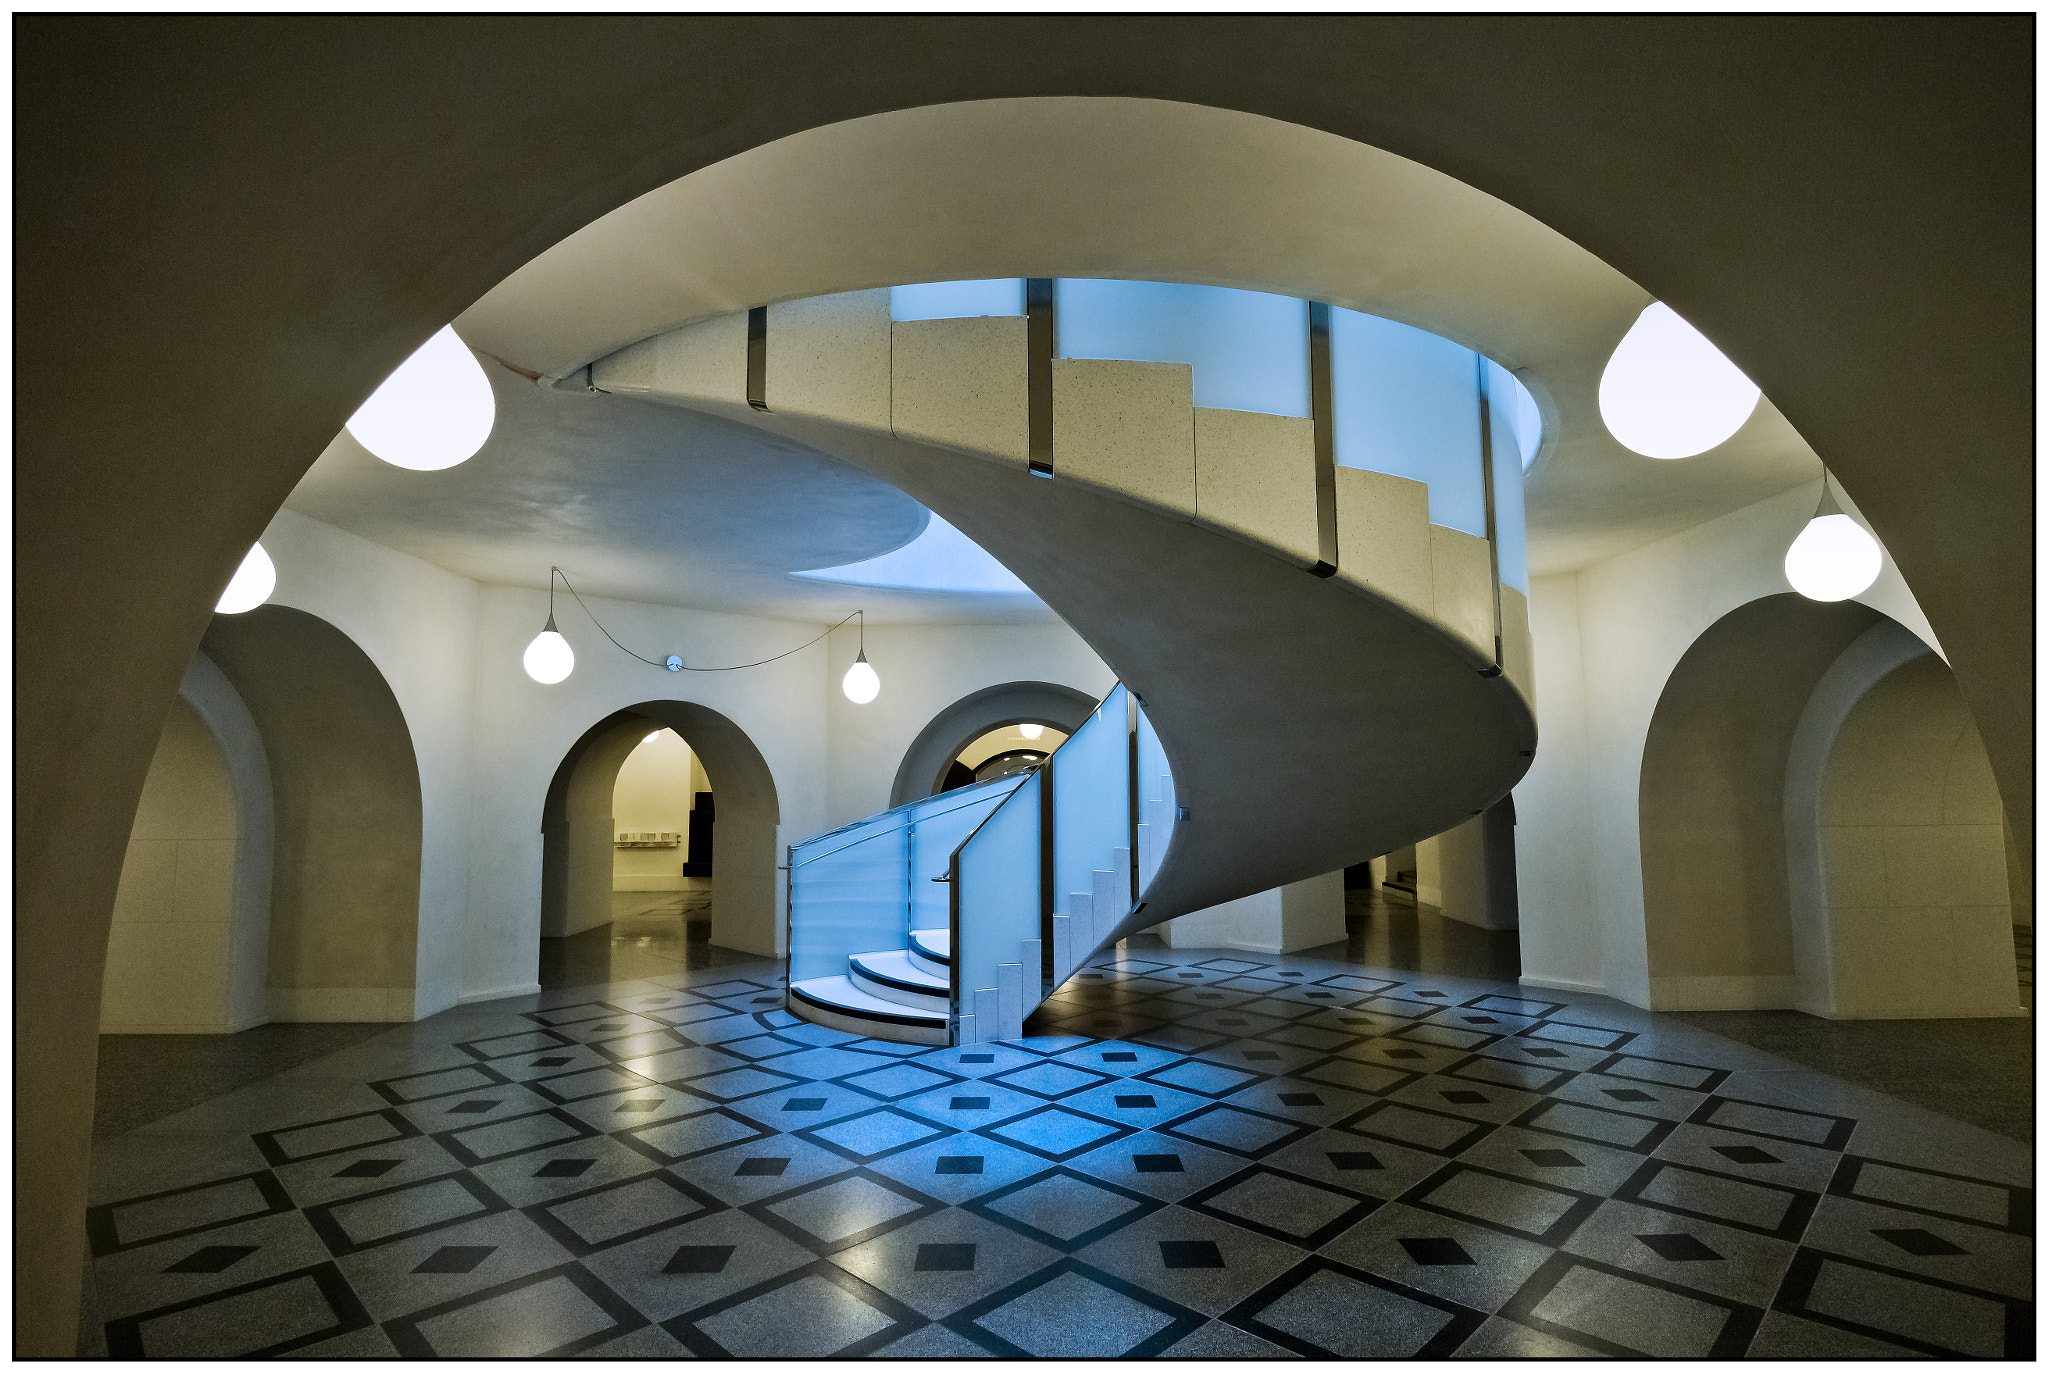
(1194, 1155)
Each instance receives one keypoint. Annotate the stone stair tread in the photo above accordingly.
(840, 994)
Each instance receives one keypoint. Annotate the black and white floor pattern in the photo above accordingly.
(1197, 1155)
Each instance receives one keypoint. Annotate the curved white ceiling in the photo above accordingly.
(1078, 187)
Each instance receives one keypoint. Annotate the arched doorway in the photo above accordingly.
(928, 762)
(345, 787)
(1818, 826)
(579, 835)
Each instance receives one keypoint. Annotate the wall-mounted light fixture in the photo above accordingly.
(1669, 393)
(434, 411)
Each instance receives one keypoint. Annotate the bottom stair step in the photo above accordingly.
(835, 1002)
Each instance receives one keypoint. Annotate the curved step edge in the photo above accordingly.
(836, 1004)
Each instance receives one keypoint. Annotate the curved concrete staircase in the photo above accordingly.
(1310, 719)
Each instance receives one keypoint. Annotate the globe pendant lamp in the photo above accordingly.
(549, 659)
(251, 585)
(1834, 557)
(861, 684)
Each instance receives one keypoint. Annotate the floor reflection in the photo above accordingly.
(1387, 929)
(651, 933)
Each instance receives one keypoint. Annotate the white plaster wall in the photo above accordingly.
(653, 793)
(527, 728)
(1637, 614)
(1300, 915)
(417, 623)
(924, 669)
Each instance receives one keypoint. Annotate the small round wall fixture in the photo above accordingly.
(861, 683)
(1669, 393)
(549, 659)
(1031, 731)
(1834, 557)
(435, 411)
(251, 585)
(652, 737)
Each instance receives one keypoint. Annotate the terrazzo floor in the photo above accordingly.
(1192, 1154)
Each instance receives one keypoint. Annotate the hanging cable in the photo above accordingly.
(674, 662)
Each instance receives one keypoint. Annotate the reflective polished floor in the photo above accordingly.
(1194, 1154)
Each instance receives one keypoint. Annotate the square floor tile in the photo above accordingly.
(1744, 1203)
(840, 1212)
(549, 1314)
(184, 1211)
(753, 1253)
(1951, 1196)
(1323, 1309)
(894, 1081)
(1616, 1128)
(1202, 1077)
(1530, 1210)
(1945, 1319)
(1417, 1127)
(1073, 1311)
(513, 1135)
(819, 1311)
(1157, 1165)
(875, 1133)
(1501, 1262)
(1056, 1133)
(1063, 1209)
(1249, 1134)
(395, 1213)
(213, 1258)
(1629, 1315)
(272, 1316)
(959, 1167)
(945, 1260)
(620, 1212)
(337, 1135)
(1283, 1206)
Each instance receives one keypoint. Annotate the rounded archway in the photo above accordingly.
(1803, 761)
(577, 831)
(345, 786)
(926, 762)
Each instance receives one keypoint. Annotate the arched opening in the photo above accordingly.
(189, 943)
(1819, 827)
(981, 718)
(1003, 752)
(626, 760)
(344, 892)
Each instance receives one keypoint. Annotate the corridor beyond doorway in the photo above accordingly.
(651, 933)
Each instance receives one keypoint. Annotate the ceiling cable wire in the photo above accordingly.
(680, 666)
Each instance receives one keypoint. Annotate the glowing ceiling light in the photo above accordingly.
(548, 659)
(861, 684)
(1031, 731)
(652, 737)
(1834, 557)
(435, 411)
(251, 585)
(1668, 393)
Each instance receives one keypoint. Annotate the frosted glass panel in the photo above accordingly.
(1249, 350)
(1091, 798)
(848, 893)
(1504, 398)
(999, 907)
(957, 299)
(1155, 808)
(937, 827)
(1406, 403)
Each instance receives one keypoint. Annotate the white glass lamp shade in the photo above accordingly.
(549, 659)
(1833, 559)
(251, 585)
(1031, 731)
(435, 411)
(861, 684)
(1668, 393)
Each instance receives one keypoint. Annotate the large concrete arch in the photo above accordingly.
(345, 890)
(923, 769)
(1716, 907)
(577, 832)
(220, 340)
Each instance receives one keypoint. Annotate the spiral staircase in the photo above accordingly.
(1312, 672)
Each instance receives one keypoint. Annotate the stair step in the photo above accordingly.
(937, 945)
(892, 975)
(837, 1003)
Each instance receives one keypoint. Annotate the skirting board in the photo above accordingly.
(499, 993)
(341, 1005)
(1558, 984)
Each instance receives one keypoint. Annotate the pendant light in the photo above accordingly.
(861, 683)
(251, 585)
(434, 411)
(1669, 393)
(1834, 557)
(549, 659)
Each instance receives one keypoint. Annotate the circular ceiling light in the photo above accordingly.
(1031, 731)
(1668, 393)
(652, 737)
(548, 659)
(861, 683)
(435, 411)
(251, 585)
